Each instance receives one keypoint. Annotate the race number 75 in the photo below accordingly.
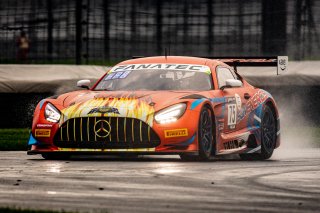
(232, 114)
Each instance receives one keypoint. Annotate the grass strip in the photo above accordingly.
(14, 139)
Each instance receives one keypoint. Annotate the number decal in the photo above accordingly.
(232, 114)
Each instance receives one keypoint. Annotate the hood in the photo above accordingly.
(138, 104)
(158, 99)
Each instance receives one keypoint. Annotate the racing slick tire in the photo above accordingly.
(55, 156)
(205, 137)
(268, 136)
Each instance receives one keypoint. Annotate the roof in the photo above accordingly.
(170, 59)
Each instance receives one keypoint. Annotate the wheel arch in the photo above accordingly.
(209, 105)
(271, 104)
(214, 145)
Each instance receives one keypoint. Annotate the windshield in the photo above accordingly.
(157, 77)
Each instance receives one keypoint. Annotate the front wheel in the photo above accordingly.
(205, 137)
(268, 136)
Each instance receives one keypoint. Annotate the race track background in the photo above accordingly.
(23, 86)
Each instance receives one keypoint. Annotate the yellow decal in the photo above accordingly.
(108, 150)
(45, 133)
(117, 107)
(175, 133)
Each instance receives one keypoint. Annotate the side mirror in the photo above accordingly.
(84, 84)
(230, 83)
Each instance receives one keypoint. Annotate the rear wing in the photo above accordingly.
(281, 62)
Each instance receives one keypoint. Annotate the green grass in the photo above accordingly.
(14, 139)
(16, 210)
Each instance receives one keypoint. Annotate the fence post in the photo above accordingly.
(133, 28)
(297, 29)
(210, 26)
(159, 27)
(185, 26)
(78, 31)
(85, 28)
(241, 26)
(50, 30)
(106, 29)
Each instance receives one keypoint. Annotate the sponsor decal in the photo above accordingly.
(187, 142)
(104, 109)
(125, 74)
(257, 99)
(109, 76)
(175, 133)
(238, 101)
(232, 116)
(234, 144)
(252, 104)
(102, 128)
(282, 64)
(117, 75)
(45, 133)
(44, 125)
(184, 67)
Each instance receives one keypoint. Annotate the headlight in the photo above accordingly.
(170, 114)
(51, 113)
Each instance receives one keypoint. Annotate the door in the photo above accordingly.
(234, 101)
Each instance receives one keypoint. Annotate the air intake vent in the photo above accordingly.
(106, 133)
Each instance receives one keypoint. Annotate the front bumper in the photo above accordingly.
(118, 152)
(127, 135)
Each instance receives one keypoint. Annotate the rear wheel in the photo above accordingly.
(205, 136)
(268, 137)
(56, 156)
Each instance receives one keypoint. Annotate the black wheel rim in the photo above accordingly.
(206, 130)
(268, 131)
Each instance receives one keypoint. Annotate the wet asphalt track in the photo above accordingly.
(289, 182)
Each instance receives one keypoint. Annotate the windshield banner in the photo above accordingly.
(182, 67)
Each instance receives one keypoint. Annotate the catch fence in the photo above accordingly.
(106, 31)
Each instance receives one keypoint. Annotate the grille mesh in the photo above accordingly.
(124, 133)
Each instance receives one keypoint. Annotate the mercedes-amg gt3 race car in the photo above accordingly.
(194, 107)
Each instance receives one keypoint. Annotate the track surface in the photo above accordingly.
(289, 182)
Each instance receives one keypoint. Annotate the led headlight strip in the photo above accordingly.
(170, 114)
(51, 113)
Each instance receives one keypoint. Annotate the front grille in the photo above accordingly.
(124, 133)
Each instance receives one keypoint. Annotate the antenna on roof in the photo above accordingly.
(165, 53)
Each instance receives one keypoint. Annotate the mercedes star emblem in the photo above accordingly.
(102, 128)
